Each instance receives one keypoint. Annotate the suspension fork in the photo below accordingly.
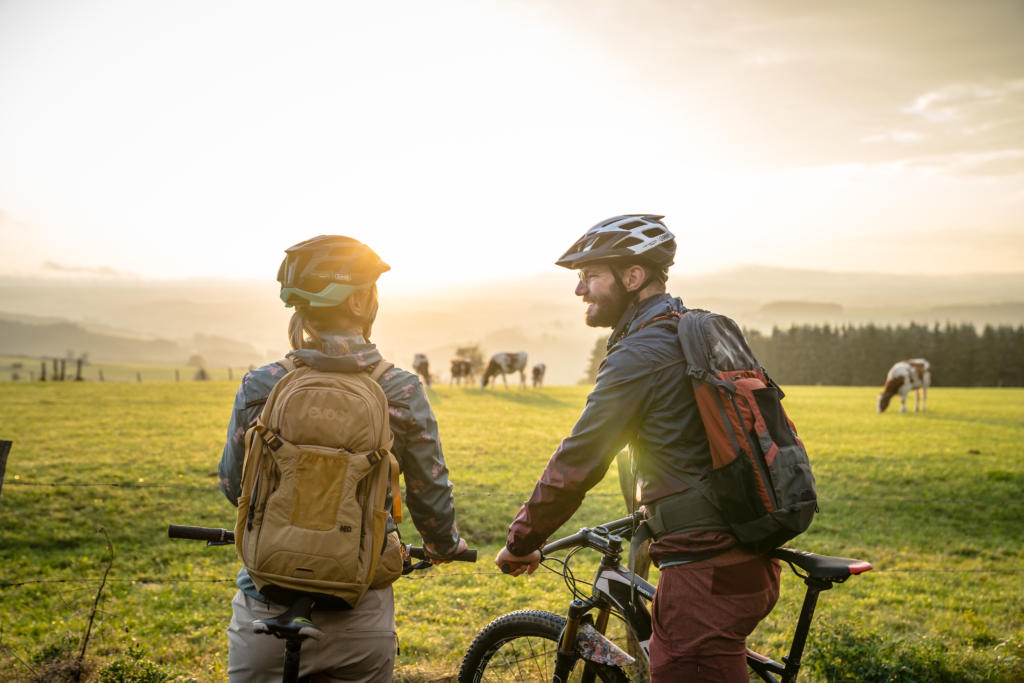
(578, 610)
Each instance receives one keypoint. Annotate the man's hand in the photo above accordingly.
(517, 564)
(458, 549)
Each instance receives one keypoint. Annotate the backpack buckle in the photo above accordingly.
(374, 457)
(272, 440)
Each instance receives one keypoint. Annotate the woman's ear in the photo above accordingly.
(362, 302)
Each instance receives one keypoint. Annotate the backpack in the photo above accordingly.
(312, 512)
(761, 480)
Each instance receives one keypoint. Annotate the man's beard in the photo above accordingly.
(605, 311)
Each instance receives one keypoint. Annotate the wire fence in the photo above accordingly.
(488, 493)
(434, 575)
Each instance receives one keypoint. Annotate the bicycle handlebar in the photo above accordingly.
(224, 537)
(467, 555)
(619, 527)
(201, 533)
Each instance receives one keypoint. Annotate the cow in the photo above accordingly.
(914, 374)
(421, 366)
(504, 363)
(462, 370)
(538, 375)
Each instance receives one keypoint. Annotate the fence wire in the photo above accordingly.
(461, 492)
(443, 575)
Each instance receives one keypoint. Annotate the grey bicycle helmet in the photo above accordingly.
(325, 270)
(640, 237)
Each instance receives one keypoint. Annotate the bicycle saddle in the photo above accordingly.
(822, 566)
(294, 622)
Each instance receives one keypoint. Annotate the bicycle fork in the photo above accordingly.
(568, 655)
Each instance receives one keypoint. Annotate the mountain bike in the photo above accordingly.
(532, 645)
(295, 624)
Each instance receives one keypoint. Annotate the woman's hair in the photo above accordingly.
(306, 323)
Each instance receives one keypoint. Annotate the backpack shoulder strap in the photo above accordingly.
(288, 363)
(381, 367)
(394, 465)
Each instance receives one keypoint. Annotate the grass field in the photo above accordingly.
(934, 501)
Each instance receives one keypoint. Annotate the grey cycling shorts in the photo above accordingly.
(358, 645)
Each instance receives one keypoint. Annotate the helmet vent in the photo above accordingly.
(629, 242)
(630, 225)
(653, 232)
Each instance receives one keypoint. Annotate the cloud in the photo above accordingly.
(104, 271)
(960, 101)
(900, 137)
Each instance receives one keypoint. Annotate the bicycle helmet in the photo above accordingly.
(325, 270)
(642, 237)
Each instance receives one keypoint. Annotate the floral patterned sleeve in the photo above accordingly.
(428, 492)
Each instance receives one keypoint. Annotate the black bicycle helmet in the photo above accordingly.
(640, 237)
(325, 270)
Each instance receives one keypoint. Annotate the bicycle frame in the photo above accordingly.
(615, 589)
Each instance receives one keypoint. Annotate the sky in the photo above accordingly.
(474, 140)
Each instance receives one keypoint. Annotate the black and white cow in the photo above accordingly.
(538, 375)
(906, 376)
(462, 371)
(502, 364)
(421, 366)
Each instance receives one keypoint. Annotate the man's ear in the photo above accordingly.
(633, 277)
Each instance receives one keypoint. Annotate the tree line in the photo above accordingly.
(960, 355)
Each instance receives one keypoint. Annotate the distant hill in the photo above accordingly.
(800, 309)
(239, 323)
(60, 339)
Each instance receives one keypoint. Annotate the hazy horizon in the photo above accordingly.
(246, 321)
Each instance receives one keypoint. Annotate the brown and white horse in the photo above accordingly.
(502, 364)
(906, 376)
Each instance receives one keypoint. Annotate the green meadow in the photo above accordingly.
(934, 501)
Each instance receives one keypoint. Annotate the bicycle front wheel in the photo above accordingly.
(521, 646)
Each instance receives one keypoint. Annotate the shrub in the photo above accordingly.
(847, 652)
(133, 668)
(59, 662)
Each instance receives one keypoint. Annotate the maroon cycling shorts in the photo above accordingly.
(703, 613)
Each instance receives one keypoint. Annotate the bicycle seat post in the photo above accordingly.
(803, 626)
(293, 626)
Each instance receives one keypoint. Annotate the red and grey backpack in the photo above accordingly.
(760, 482)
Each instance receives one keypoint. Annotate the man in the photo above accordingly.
(331, 282)
(711, 593)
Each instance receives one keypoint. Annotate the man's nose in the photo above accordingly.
(581, 288)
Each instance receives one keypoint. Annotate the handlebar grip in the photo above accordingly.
(201, 533)
(467, 555)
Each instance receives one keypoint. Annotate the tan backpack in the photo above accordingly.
(311, 514)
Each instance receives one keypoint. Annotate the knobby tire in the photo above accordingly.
(521, 646)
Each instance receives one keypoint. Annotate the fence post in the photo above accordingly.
(5, 448)
(78, 370)
(42, 371)
(101, 374)
(63, 369)
(177, 375)
(138, 376)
